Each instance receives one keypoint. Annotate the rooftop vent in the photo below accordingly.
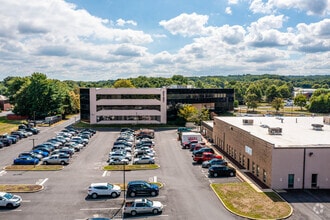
(317, 127)
(247, 121)
(275, 131)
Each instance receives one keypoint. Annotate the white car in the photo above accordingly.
(103, 189)
(9, 200)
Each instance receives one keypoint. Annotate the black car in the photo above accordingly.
(221, 170)
(141, 187)
(202, 150)
(6, 141)
(33, 130)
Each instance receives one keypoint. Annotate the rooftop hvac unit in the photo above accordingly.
(275, 131)
(317, 127)
(247, 121)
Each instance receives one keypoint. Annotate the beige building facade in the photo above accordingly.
(287, 152)
(127, 105)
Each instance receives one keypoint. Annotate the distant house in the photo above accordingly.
(4, 103)
(306, 92)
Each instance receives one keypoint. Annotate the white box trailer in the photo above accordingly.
(188, 137)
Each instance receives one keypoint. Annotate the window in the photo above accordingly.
(258, 170)
(253, 167)
(264, 176)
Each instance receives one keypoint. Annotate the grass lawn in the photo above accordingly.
(33, 168)
(7, 126)
(131, 167)
(243, 200)
(19, 188)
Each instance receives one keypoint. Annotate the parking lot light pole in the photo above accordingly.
(124, 188)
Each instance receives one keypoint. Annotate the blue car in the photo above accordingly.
(41, 152)
(26, 160)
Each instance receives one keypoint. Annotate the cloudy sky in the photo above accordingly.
(94, 40)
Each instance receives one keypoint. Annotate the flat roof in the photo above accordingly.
(296, 131)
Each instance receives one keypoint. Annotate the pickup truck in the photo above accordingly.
(205, 156)
(139, 206)
(56, 159)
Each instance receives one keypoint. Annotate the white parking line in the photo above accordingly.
(104, 173)
(96, 209)
(43, 182)
(3, 172)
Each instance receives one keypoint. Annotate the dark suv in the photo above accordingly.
(221, 170)
(202, 150)
(140, 187)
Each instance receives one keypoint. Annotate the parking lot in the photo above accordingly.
(186, 191)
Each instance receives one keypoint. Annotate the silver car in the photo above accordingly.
(144, 160)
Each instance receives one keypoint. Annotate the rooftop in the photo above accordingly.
(296, 131)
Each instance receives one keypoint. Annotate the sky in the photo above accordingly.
(92, 40)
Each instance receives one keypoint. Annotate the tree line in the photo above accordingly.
(36, 96)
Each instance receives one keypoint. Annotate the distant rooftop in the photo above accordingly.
(296, 131)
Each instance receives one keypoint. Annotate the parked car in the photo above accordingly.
(33, 130)
(144, 160)
(103, 189)
(26, 160)
(141, 206)
(56, 159)
(30, 154)
(204, 149)
(1, 144)
(41, 152)
(221, 170)
(10, 137)
(214, 161)
(140, 187)
(6, 141)
(119, 161)
(9, 200)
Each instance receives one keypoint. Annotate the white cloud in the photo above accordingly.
(228, 11)
(232, 2)
(122, 22)
(258, 6)
(318, 7)
(312, 7)
(186, 25)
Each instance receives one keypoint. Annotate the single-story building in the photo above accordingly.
(282, 152)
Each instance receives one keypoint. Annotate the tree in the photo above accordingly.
(123, 83)
(271, 93)
(284, 91)
(254, 89)
(300, 100)
(277, 103)
(188, 112)
(251, 101)
(320, 101)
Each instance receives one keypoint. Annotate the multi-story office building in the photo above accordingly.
(123, 105)
(215, 100)
(148, 105)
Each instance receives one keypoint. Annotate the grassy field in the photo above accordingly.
(7, 126)
(243, 200)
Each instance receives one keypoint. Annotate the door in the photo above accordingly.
(290, 180)
(314, 180)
